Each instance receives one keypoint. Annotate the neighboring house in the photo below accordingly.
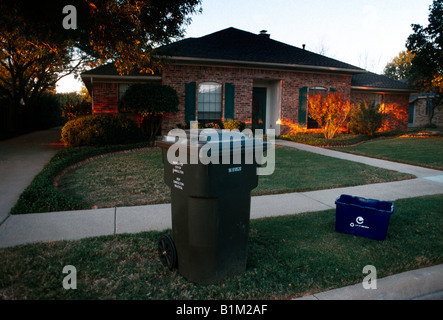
(234, 74)
(421, 108)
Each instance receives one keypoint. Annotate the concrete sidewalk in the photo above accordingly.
(419, 172)
(420, 284)
(74, 225)
(21, 158)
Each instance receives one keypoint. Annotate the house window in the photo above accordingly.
(428, 106)
(209, 101)
(122, 87)
(312, 124)
(377, 99)
(411, 113)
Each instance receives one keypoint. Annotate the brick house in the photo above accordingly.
(421, 109)
(234, 74)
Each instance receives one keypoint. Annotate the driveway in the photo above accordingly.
(21, 159)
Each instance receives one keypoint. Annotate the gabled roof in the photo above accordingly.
(108, 72)
(110, 69)
(237, 46)
(376, 82)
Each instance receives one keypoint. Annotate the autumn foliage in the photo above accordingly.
(330, 111)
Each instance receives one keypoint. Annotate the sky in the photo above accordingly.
(364, 33)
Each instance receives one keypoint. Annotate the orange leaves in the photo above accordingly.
(330, 111)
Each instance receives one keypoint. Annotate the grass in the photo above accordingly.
(125, 179)
(426, 152)
(136, 178)
(41, 196)
(287, 257)
(298, 170)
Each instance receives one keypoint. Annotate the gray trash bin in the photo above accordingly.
(210, 206)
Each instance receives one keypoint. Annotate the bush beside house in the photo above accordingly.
(365, 119)
(100, 130)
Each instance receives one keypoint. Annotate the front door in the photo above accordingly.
(259, 109)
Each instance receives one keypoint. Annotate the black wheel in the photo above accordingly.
(167, 252)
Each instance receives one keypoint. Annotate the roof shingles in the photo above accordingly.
(237, 45)
(376, 81)
(232, 44)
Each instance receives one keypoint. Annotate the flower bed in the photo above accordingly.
(317, 139)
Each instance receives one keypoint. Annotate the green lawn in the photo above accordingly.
(427, 152)
(287, 257)
(125, 179)
(136, 178)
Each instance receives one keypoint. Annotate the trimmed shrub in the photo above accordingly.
(41, 196)
(365, 119)
(75, 109)
(318, 139)
(187, 126)
(234, 124)
(100, 130)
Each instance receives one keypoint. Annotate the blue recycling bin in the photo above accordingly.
(363, 217)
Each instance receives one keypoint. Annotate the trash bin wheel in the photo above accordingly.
(167, 252)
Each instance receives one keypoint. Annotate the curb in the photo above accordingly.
(420, 284)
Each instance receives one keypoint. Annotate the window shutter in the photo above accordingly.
(332, 90)
(229, 101)
(190, 93)
(302, 106)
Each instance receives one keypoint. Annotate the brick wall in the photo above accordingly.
(105, 95)
(396, 109)
(243, 78)
(105, 98)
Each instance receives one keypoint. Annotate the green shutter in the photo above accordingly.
(191, 90)
(229, 101)
(332, 90)
(302, 106)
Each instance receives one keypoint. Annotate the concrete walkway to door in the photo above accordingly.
(21, 159)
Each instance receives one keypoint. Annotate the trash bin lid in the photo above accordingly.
(225, 140)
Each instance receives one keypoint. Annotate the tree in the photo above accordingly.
(399, 68)
(330, 111)
(32, 58)
(127, 32)
(426, 43)
(151, 102)
(28, 69)
(40, 43)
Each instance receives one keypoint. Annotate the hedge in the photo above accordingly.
(100, 130)
(41, 196)
(318, 139)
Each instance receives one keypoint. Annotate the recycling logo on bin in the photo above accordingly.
(360, 220)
